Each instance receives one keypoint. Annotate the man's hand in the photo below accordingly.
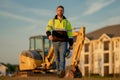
(70, 47)
(50, 37)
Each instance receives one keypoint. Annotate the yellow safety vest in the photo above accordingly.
(63, 25)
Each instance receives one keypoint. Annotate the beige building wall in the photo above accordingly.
(2, 70)
(101, 56)
(116, 51)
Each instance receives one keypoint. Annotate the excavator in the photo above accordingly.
(41, 57)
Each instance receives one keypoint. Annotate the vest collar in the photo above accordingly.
(57, 18)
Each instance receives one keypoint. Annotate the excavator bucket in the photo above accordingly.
(73, 72)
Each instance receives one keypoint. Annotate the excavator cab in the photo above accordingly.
(41, 44)
(34, 57)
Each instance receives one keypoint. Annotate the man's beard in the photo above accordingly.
(60, 15)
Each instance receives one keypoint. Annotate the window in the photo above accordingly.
(106, 70)
(38, 44)
(113, 45)
(32, 44)
(113, 58)
(86, 59)
(106, 45)
(86, 71)
(47, 45)
(87, 47)
(106, 58)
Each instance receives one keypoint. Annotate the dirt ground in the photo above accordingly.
(55, 77)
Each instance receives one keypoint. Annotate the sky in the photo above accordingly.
(20, 19)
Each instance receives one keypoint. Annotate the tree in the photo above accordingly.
(11, 68)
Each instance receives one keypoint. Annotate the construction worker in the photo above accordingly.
(59, 31)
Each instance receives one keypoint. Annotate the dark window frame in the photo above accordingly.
(106, 45)
(106, 57)
(87, 47)
(86, 59)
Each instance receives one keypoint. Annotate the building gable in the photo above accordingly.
(86, 40)
(104, 37)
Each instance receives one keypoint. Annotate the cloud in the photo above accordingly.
(20, 17)
(112, 21)
(12, 9)
(74, 18)
(91, 26)
(39, 12)
(30, 28)
(93, 7)
(97, 6)
(7, 14)
(19, 8)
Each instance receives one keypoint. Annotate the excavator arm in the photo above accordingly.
(74, 70)
(77, 48)
(49, 59)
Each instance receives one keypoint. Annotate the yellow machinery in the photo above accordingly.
(34, 58)
(40, 55)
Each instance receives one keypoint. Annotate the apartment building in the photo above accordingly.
(101, 52)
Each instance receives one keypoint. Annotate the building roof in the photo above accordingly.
(1, 64)
(111, 31)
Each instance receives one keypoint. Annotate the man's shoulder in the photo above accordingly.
(51, 20)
